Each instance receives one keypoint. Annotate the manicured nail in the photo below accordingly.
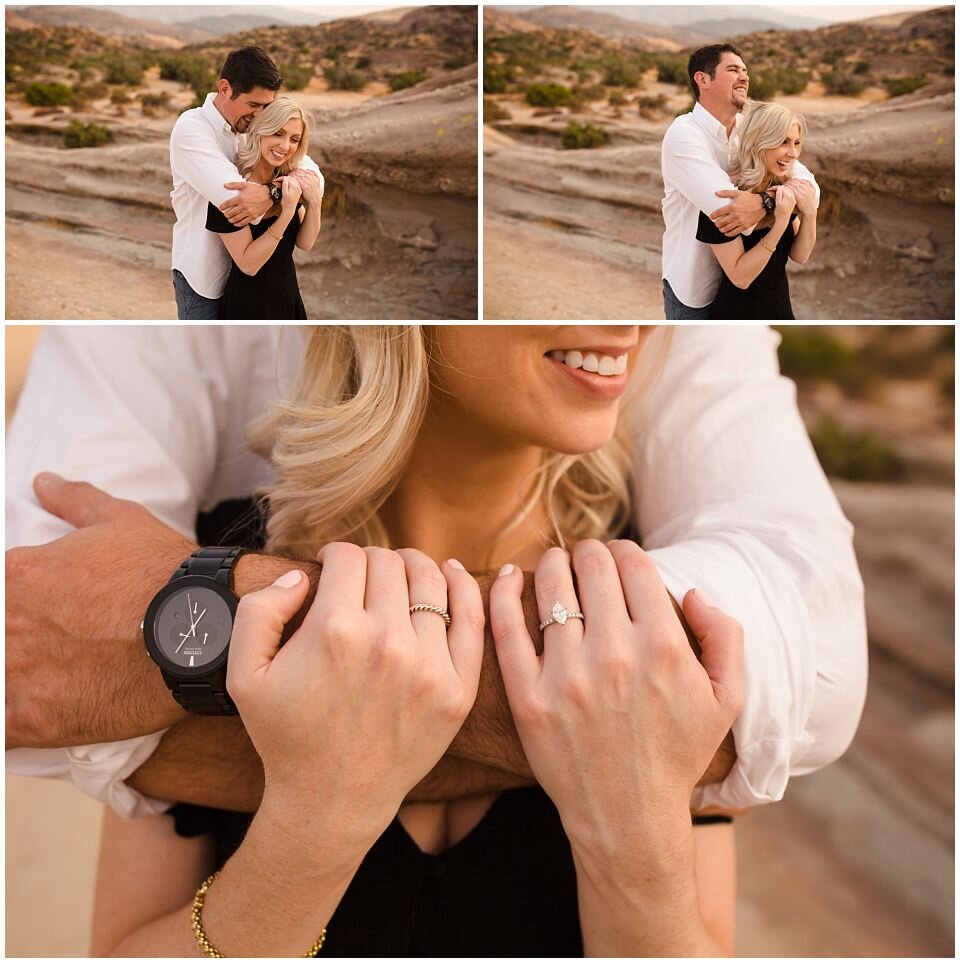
(453, 563)
(506, 570)
(47, 478)
(704, 599)
(289, 579)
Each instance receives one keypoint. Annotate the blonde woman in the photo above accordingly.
(263, 279)
(754, 285)
(479, 448)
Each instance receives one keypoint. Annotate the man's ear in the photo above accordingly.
(223, 88)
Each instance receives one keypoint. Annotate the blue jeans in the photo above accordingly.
(192, 306)
(675, 310)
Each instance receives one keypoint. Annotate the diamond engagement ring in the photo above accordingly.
(424, 607)
(560, 615)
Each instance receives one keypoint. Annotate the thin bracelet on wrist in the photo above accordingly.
(279, 237)
(772, 250)
(206, 947)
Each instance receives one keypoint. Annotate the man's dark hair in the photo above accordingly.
(706, 59)
(250, 67)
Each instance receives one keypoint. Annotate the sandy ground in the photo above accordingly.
(559, 279)
(75, 285)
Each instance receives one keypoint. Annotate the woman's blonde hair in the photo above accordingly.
(343, 438)
(765, 127)
(270, 120)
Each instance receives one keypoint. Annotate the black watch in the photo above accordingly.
(275, 193)
(187, 630)
(769, 202)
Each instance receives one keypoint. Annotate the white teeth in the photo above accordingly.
(602, 364)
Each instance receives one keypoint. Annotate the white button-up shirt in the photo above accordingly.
(694, 159)
(730, 498)
(203, 148)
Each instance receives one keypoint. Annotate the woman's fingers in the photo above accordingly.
(598, 587)
(342, 584)
(425, 586)
(553, 579)
(518, 659)
(386, 596)
(465, 635)
(261, 617)
(721, 643)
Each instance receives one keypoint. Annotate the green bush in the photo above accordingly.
(616, 99)
(841, 83)
(49, 95)
(492, 111)
(295, 77)
(789, 81)
(855, 454)
(898, 86)
(406, 78)
(85, 135)
(861, 67)
(621, 74)
(810, 356)
(362, 63)
(578, 136)
(672, 70)
(650, 107)
(763, 86)
(547, 95)
(343, 78)
(123, 70)
(496, 78)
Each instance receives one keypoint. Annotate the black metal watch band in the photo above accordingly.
(209, 696)
(216, 563)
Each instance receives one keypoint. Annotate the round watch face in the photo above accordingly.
(191, 625)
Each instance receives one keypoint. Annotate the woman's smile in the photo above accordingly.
(602, 371)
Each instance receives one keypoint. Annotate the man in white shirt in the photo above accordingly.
(203, 145)
(730, 499)
(698, 150)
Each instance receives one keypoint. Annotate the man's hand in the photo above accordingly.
(743, 212)
(252, 202)
(77, 669)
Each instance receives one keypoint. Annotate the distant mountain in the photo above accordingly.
(650, 35)
(225, 24)
(692, 16)
(179, 13)
(131, 29)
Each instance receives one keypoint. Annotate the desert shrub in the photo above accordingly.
(650, 107)
(547, 95)
(362, 63)
(577, 136)
(855, 454)
(461, 60)
(841, 83)
(123, 70)
(672, 70)
(294, 76)
(811, 356)
(763, 85)
(343, 78)
(621, 74)
(151, 104)
(789, 81)
(49, 94)
(493, 111)
(616, 99)
(119, 96)
(85, 135)
(406, 78)
(591, 92)
(948, 70)
(898, 86)
(496, 78)
(93, 91)
(861, 67)
(193, 71)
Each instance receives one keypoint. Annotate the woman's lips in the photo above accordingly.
(608, 387)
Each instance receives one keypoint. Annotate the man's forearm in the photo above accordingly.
(211, 761)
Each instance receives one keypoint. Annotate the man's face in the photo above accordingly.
(730, 83)
(240, 111)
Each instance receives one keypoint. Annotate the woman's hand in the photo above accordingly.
(617, 717)
(291, 191)
(786, 202)
(364, 699)
(806, 197)
(309, 184)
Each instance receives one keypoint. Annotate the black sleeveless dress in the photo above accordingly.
(509, 888)
(768, 297)
(273, 293)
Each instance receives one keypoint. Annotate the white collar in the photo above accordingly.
(214, 115)
(710, 124)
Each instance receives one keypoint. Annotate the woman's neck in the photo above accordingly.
(461, 489)
(263, 173)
